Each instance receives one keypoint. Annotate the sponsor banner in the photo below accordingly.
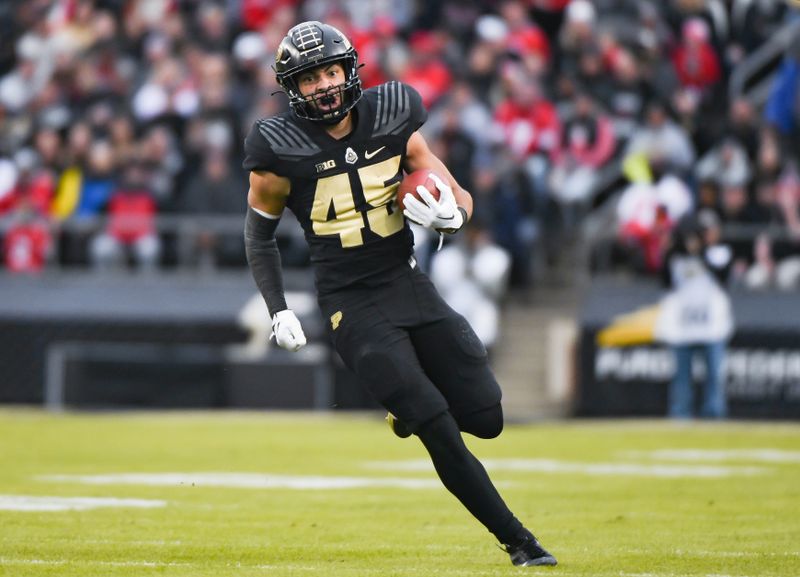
(624, 371)
(760, 379)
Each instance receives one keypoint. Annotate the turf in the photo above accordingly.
(597, 522)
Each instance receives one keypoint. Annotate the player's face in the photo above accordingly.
(324, 84)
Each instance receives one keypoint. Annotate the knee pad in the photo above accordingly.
(378, 370)
(484, 424)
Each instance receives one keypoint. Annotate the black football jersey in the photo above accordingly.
(343, 191)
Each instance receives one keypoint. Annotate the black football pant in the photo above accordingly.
(423, 362)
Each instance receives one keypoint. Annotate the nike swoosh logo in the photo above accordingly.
(369, 155)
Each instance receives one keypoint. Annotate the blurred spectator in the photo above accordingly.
(578, 34)
(770, 270)
(783, 107)
(98, 180)
(525, 39)
(130, 231)
(627, 94)
(743, 126)
(28, 241)
(662, 140)
(163, 161)
(471, 274)
(587, 144)
(455, 147)
(212, 27)
(695, 60)
(515, 218)
(647, 211)
(31, 184)
(528, 122)
(216, 190)
(696, 316)
(378, 49)
(426, 70)
(485, 53)
(471, 115)
(725, 164)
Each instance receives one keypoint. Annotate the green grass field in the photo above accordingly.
(338, 495)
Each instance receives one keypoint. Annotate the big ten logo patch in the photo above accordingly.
(336, 318)
(327, 165)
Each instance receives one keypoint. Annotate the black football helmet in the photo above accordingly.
(309, 45)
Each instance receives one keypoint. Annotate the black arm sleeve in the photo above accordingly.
(264, 259)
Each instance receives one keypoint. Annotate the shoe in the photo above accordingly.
(527, 552)
(398, 427)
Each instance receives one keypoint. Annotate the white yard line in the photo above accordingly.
(596, 469)
(762, 455)
(58, 562)
(244, 481)
(46, 503)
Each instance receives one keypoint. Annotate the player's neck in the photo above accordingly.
(342, 129)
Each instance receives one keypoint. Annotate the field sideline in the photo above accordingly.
(223, 494)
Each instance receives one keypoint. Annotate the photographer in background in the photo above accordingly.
(696, 315)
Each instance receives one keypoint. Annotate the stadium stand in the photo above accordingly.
(585, 131)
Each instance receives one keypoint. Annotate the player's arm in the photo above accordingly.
(266, 201)
(454, 207)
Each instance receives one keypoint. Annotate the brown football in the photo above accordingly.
(410, 183)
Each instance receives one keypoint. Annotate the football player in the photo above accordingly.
(335, 160)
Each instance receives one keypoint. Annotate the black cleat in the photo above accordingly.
(527, 552)
(397, 427)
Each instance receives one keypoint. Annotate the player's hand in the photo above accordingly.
(442, 215)
(287, 331)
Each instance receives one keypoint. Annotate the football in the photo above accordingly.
(410, 183)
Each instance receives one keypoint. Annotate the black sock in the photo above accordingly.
(465, 477)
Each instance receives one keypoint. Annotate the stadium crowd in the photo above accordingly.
(607, 120)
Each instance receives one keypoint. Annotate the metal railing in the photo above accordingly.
(754, 75)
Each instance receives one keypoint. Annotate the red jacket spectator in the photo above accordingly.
(695, 60)
(529, 123)
(131, 215)
(588, 138)
(370, 46)
(257, 14)
(427, 72)
(26, 246)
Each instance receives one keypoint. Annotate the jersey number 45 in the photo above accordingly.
(334, 210)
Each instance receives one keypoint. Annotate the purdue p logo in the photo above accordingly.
(336, 318)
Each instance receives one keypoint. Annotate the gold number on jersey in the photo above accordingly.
(333, 194)
(381, 221)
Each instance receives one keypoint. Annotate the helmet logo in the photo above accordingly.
(279, 54)
(350, 156)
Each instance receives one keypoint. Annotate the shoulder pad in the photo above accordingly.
(392, 109)
(286, 138)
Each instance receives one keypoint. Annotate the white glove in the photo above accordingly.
(287, 331)
(442, 215)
